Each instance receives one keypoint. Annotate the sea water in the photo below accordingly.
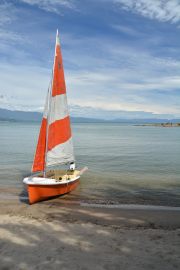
(127, 163)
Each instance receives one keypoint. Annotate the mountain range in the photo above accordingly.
(8, 115)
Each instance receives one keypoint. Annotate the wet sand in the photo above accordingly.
(58, 235)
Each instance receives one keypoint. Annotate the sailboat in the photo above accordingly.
(54, 145)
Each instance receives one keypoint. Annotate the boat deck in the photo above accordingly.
(60, 175)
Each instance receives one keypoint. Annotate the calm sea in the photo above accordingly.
(127, 164)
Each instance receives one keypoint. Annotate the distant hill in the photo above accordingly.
(19, 115)
(8, 115)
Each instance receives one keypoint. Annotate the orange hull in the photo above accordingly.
(43, 192)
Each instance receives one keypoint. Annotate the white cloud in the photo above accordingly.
(54, 6)
(113, 92)
(127, 30)
(94, 112)
(23, 87)
(126, 80)
(7, 13)
(11, 37)
(126, 106)
(101, 74)
(154, 9)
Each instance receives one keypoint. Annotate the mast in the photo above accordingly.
(49, 106)
(47, 128)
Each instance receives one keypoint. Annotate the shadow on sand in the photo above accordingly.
(60, 240)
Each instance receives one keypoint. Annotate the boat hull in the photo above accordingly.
(39, 193)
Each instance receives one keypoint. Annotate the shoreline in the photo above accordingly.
(142, 199)
(121, 215)
(127, 204)
(94, 203)
(133, 206)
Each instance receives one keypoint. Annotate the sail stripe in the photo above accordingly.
(38, 164)
(39, 157)
(59, 109)
(59, 132)
(58, 87)
(60, 152)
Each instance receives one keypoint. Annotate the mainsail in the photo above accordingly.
(55, 138)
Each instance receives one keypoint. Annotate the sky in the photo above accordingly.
(121, 57)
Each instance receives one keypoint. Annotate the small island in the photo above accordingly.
(168, 124)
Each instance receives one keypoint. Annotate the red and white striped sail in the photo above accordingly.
(55, 139)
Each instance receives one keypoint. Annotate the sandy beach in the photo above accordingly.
(54, 235)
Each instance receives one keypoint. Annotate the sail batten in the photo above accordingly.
(55, 138)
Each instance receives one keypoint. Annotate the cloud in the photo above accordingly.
(11, 37)
(105, 74)
(127, 30)
(133, 104)
(125, 80)
(23, 87)
(54, 6)
(7, 13)
(160, 10)
(93, 112)
(128, 78)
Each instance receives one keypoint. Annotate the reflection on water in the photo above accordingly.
(126, 163)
